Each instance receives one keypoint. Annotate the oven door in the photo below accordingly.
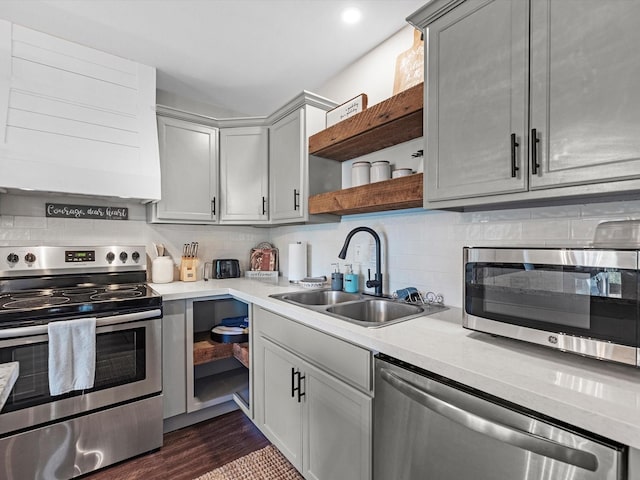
(128, 359)
(579, 300)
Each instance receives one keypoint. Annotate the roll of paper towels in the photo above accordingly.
(297, 261)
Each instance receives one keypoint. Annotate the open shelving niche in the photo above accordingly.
(388, 123)
(217, 372)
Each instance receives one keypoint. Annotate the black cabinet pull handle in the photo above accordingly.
(534, 152)
(293, 382)
(264, 205)
(296, 199)
(301, 392)
(514, 163)
(213, 206)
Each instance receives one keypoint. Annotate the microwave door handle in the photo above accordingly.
(500, 432)
(100, 322)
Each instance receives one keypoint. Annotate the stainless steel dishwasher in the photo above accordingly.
(430, 428)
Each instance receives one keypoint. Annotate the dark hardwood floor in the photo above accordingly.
(192, 451)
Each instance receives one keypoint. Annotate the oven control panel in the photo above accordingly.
(15, 261)
(80, 256)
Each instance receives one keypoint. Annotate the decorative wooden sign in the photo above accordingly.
(347, 109)
(89, 212)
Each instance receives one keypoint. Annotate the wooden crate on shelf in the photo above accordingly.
(206, 350)
(241, 353)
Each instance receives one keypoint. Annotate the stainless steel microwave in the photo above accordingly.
(580, 300)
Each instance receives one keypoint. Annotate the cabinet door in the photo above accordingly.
(280, 413)
(244, 175)
(337, 429)
(287, 167)
(585, 101)
(476, 97)
(174, 367)
(188, 160)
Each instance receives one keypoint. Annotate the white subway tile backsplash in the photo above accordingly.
(502, 231)
(546, 230)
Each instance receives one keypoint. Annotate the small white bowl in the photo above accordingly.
(401, 172)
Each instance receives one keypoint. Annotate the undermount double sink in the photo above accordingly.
(356, 308)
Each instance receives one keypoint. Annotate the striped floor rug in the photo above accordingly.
(265, 464)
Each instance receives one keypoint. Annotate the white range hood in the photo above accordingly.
(75, 120)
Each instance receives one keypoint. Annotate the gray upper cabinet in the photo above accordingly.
(189, 165)
(585, 101)
(530, 100)
(475, 97)
(244, 174)
(287, 167)
(292, 176)
(242, 171)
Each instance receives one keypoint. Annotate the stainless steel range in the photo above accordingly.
(64, 436)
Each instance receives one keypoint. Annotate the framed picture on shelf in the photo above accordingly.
(347, 109)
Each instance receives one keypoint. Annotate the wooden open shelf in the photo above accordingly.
(390, 122)
(394, 194)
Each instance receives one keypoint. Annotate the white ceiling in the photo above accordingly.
(250, 56)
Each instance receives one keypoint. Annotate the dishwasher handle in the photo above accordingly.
(512, 436)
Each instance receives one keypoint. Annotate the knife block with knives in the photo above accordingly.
(189, 262)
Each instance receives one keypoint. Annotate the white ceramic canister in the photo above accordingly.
(380, 171)
(162, 270)
(360, 173)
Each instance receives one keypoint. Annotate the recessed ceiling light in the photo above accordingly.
(351, 15)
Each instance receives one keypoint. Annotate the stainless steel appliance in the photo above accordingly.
(580, 300)
(64, 436)
(430, 427)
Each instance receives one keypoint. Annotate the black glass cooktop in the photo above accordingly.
(37, 306)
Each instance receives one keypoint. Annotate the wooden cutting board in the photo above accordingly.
(410, 65)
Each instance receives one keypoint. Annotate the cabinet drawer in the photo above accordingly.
(340, 358)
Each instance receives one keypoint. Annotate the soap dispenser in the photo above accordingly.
(336, 278)
(350, 280)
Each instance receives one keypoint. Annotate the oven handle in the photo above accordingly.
(100, 322)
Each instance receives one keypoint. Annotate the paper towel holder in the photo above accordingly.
(299, 269)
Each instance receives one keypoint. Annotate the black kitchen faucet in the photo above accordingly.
(377, 281)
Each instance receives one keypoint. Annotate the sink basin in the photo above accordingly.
(376, 312)
(371, 312)
(318, 297)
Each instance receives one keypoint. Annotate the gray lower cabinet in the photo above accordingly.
(189, 166)
(174, 358)
(530, 99)
(320, 421)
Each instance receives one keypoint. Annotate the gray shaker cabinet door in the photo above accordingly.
(244, 175)
(585, 100)
(476, 98)
(281, 412)
(337, 433)
(287, 162)
(189, 167)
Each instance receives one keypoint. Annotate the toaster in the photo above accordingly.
(225, 268)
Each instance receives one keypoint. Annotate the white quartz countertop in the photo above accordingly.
(600, 397)
(8, 377)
